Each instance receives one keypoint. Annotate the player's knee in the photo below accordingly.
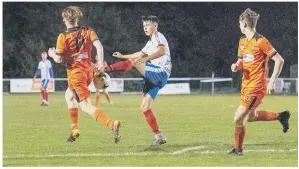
(238, 120)
(132, 61)
(68, 95)
(145, 106)
(252, 117)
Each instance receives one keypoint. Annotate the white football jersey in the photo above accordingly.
(152, 47)
(44, 67)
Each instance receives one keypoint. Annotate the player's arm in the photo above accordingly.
(57, 53)
(279, 61)
(38, 71)
(270, 52)
(135, 55)
(160, 52)
(53, 54)
(51, 70)
(100, 53)
(239, 63)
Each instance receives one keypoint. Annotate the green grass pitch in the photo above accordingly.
(199, 131)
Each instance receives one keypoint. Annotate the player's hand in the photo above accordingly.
(51, 80)
(234, 67)
(117, 55)
(52, 52)
(100, 67)
(271, 87)
(140, 61)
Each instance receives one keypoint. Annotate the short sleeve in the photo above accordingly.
(160, 40)
(93, 36)
(267, 48)
(39, 65)
(49, 64)
(240, 54)
(145, 48)
(60, 45)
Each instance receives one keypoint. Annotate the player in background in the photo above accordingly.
(45, 71)
(254, 53)
(74, 48)
(105, 91)
(154, 64)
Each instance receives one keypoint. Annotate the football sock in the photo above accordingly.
(103, 118)
(239, 137)
(266, 116)
(151, 121)
(123, 66)
(46, 95)
(242, 136)
(97, 99)
(42, 94)
(73, 112)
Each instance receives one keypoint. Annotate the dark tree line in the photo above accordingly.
(203, 36)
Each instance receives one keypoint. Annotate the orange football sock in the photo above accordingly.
(266, 116)
(238, 131)
(97, 99)
(151, 121)
(73, 112)
(241, 137)
(103, 118)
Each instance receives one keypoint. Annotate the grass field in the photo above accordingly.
(199, 131)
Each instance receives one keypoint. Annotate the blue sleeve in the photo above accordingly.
(37, 73)
(51, 72)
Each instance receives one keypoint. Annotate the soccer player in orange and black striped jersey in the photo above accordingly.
(254, 52)
(74, 48)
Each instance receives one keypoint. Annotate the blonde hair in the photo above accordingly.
(249, 17)
(72, 14)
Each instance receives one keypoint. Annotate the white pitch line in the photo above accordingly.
(178, 152)
(188, 149)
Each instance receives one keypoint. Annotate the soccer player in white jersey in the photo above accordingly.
(154, 63)
(45, 71)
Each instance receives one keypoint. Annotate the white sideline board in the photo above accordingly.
(175, 88)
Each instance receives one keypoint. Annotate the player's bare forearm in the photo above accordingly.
(133, 56)
(100, 51)
(279, 61)
(160, 52)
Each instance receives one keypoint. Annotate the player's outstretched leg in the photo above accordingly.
(122, 66)
(262, 115)
(100, 116)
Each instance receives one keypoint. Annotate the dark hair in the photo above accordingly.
(151, 18)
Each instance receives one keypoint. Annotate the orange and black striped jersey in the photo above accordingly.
(75, 46)
(255, 55)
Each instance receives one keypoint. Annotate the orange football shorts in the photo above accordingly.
(78, 81)
(251, 97)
